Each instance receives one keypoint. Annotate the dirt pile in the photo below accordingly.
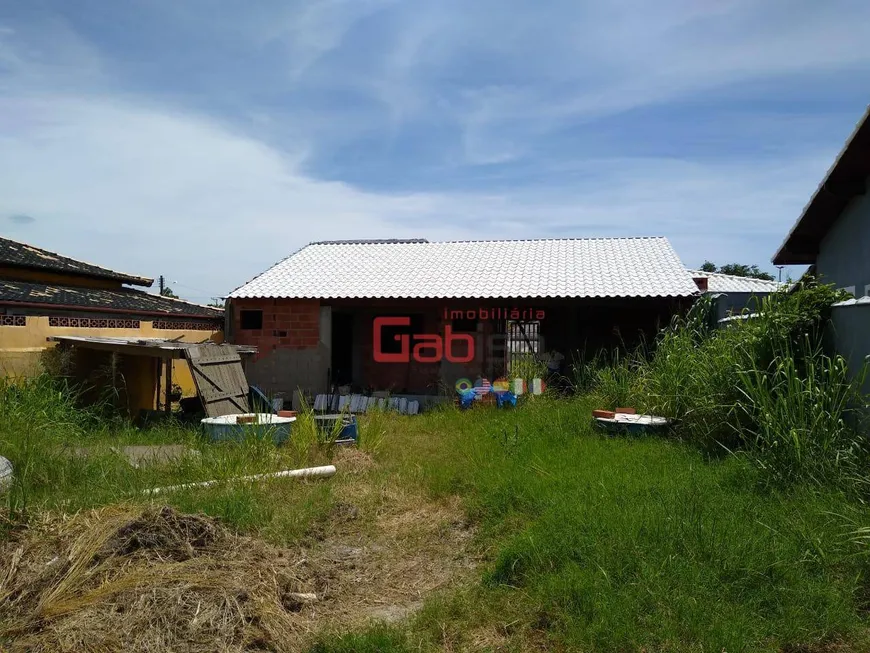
(124, 578)
(152, 579)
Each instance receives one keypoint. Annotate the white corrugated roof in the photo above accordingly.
(587, 267)
(717, 282)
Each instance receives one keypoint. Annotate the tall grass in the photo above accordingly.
(763, 385)
(585, 542)
(800, 419)
(67, 458)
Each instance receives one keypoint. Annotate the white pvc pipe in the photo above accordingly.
(308, 472)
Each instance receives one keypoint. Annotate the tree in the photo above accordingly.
(738, 270)
(167, 292)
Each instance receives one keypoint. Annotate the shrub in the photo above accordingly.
(749, 386)
(799, 418)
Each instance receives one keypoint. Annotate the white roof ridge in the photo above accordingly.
(635, 266)
(421, 241)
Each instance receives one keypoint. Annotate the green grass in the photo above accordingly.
(620, 544)
(587, 542)
(43, 434)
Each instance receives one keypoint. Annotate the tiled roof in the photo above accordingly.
(21, 255)
(588, 267)
(717, 282)
(96, 299)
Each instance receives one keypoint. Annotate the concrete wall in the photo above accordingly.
(844, 254)
(850, 335)
(734, 303)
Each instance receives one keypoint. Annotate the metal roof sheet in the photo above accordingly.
(718, 282)
(587, 267)
(144, 345)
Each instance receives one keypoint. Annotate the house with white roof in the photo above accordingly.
(416, 317)
(732, 294)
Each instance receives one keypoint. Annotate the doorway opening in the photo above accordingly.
(342, 348)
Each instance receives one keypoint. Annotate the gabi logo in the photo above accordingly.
(427, 347)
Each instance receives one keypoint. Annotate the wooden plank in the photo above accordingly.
(219, 378)
(168, 405)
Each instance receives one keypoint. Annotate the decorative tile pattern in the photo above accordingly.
(185, 326)
(92, 323)
(13, 320)
(485, 269)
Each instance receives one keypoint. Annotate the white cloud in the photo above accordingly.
(137, 182)
(153, 192)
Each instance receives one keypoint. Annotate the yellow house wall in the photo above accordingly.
(21, 349)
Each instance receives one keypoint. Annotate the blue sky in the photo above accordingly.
(206, 140)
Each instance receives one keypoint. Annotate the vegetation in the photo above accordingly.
(763, 387)
(525, 529)
(738, 270)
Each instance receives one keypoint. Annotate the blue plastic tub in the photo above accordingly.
(266, 425)
(327, 425)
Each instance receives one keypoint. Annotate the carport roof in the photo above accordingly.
(484, 269)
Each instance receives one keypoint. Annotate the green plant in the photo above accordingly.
(619, 383)
(800, 427)
(584, 371)
(527, 367)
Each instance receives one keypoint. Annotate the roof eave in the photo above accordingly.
(845, 179)
(120, 277)
(468, 297)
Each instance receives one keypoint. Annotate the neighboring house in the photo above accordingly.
(733, 295)
(832, 236)
(44, 295)
(315, 316)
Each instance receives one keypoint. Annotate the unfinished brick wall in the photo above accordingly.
(290, 354)
(287, 324)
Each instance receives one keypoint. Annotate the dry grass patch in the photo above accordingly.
(153, 579)
(145, 580)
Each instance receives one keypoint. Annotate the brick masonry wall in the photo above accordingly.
(287, 324)
(290, 354)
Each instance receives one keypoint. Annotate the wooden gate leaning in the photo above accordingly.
(219, 378)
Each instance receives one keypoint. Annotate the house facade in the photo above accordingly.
(733, 295)
(832, 233)
(44, 295)
(416, 317)
(832, 236)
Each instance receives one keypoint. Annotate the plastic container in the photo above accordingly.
(328, 424)
(263, 425)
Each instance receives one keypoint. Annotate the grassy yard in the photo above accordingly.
(490, 530)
